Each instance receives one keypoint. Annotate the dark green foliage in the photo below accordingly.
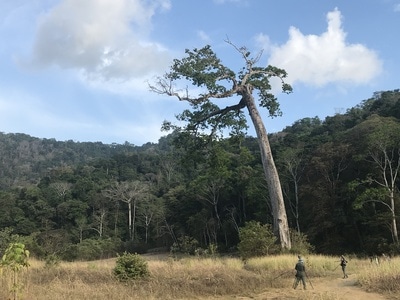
(52, 193)
(256, 240)
(130, 267)
(6, 238)
(93, 249)
(185, 245)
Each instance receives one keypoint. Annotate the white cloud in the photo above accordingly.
(320, 60)
(397, 7)
(203, 36)
(103, 38)
(263, 41)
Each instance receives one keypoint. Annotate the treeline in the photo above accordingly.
(89, 200)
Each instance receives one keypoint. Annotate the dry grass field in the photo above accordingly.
(207, 278)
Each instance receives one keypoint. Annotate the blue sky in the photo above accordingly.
(78, 69)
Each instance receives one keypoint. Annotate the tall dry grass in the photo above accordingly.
(185, 278)
(383, 277)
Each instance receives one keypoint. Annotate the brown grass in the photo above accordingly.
(382, 278)
(185, 278)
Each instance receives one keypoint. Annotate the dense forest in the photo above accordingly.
(91, 200)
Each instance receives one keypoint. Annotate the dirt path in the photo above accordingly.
(324, 288)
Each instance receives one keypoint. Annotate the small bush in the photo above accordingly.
(211, 251)
(52, 261)
(300, 243)
(89, 249)
(256, 240)
(69, 253)
(185, 245)
(15, 258)
(130, 266)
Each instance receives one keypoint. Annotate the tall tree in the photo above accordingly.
(210, 185)
(293, 164)
(382, 144)
(215, 82)
(128, 192)
(323, 190)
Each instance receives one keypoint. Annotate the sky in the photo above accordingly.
(79, 69)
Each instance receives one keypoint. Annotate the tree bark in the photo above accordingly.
(130, 219)
(281, 227)
(394, 224)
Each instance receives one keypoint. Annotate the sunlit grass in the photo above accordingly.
(316, 265)
(384, 278)
(194, 278)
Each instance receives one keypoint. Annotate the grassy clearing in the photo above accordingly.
(190, 278)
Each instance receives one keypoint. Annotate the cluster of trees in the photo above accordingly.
(339, 179)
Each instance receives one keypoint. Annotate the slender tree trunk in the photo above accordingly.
(394, 224)
(296, 195)
(116, 220)
(101, 223)
(80, 234)
(281, 227)
(134, 219)
(130, 219)
(146, 228)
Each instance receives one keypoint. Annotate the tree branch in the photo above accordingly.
(222, 112)
(381, 202)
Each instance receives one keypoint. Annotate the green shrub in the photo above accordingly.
(130, 266)
(186, 245)
(300, 243)
(32, 244)
(94, 248)
(89, 249)
(52, 261)
(256, 240)
(6, 238)
(15, 258)
(69, 253)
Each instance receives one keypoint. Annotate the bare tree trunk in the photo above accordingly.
(116, 219)
(133, 220)
(296, 210)
(394, 224)
(281, 226)
(293, 163)
(130, 219)
(389, 167)
(101, 221)
(146, 222)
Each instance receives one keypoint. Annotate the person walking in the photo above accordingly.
(343, 264)
(300, 273)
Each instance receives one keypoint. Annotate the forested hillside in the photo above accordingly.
(91, 200)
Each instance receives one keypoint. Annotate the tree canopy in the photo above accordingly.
(203, 69)
(54, 199)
